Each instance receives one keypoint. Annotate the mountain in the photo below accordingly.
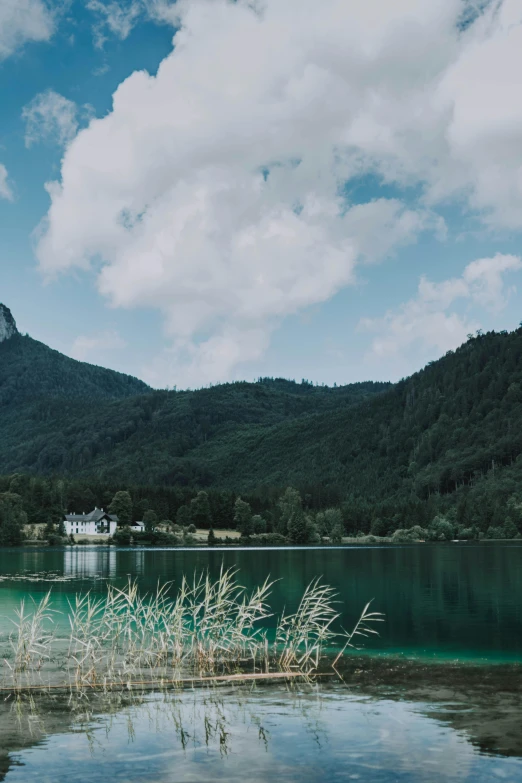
(7, 324)
(63, 416)
(451, 430)
(29, 370)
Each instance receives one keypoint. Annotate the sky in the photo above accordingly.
(202, 191)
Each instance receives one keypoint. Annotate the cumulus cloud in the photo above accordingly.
(5, 188)
(214, 190)
(50, 117)
(87, 347)
(22, 21)
(427, 324)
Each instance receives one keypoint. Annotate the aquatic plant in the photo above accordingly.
(208, 628)
(31, 643)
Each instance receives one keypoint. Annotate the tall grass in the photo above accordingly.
(31, 644)
(209, 627)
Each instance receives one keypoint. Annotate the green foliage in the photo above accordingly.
(327, 521)
(150, 518)
(415, 533)
(243, 518)
(200, 512)
(291, 511)
(211, 539)
(258, 524)
(268, 539)
(336, 534)
(441, 529)
(12, 519)
(510, 529)
(122, 536)
(379, 527)
(121, 505)
(445, 443)
(183, 516)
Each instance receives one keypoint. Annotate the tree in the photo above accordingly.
(337, 534)
(328, 520)
(200, 511)
(440, 529)
(183, 516)
(297, 527)
(12, 519)
(290, 507)
(379, 527)
(61, 528)
(243, 518)
(258, 524)
(211, 539)
(121, 506)
(510, 529)
(150, 519)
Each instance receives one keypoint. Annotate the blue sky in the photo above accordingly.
(307, 194)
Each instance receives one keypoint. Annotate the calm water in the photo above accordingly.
(462, 601)
(408, 711)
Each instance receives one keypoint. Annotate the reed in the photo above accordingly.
(31, 644)
(208, 628)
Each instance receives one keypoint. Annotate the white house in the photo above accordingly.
(96, 523)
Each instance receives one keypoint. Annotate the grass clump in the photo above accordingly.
(209, 627)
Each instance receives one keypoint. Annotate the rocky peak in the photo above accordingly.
(7, 324)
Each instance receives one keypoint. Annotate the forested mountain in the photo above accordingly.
(450, 435)
(29, 370)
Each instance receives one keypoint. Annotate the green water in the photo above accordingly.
(436, 698)
(440, 601)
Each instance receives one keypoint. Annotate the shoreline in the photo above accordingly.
(349, 544)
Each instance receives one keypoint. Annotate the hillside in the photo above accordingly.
(29, 370)
(450, 431)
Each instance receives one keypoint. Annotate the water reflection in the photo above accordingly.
(85, 563)
(414, 731)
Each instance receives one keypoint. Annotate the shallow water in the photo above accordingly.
(437, 697)
(324, 732)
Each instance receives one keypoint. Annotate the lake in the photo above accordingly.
(437, 696)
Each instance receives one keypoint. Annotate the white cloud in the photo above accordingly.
(96, 346)
(22, 21)
(213, 190)
(50, 116)
(5, 188)
(425, 327)
(118, 16)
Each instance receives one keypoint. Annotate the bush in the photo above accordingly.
(53, 539)
(440, 529)
(495, 532)
(510, 529)
(415, 533)
(122, 537)
(267, 539)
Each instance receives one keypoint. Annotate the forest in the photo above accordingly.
(444, 444)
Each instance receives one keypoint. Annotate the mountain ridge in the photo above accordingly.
(452, 428)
